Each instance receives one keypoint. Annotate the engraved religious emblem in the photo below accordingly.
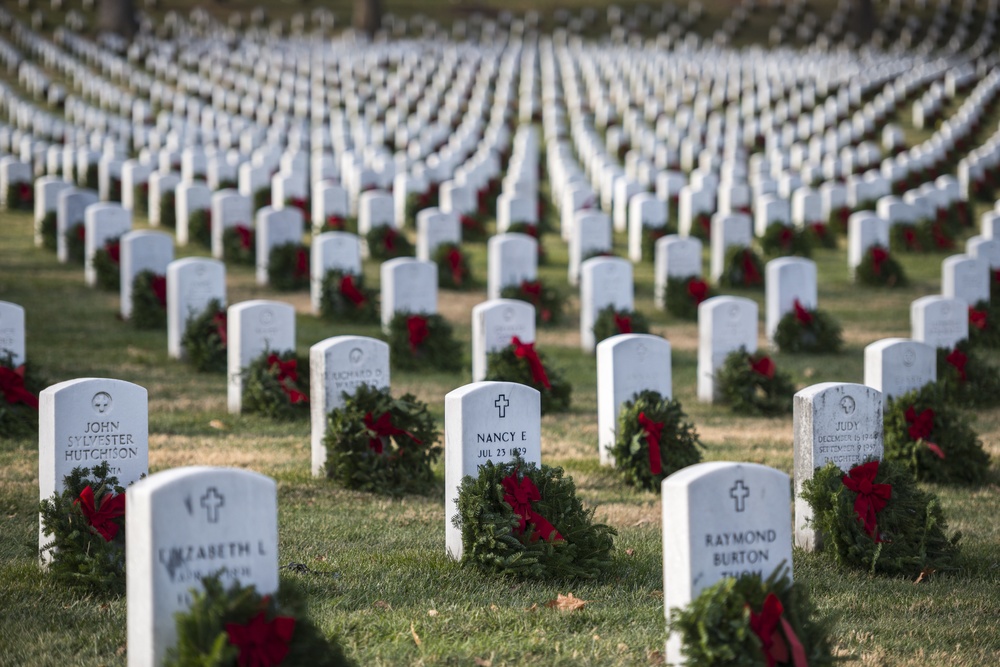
(356, 355)
(212, 501)
(734, 311)
(847, 405)
(501, 405)
(266, 317)
(909, 356)
(508, 314)
(641, 350)
(101, 402)
(739, 493)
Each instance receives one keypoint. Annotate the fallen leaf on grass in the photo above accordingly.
(484, 662)
(925, 575)
(218, 424)
(416, 637)
(432, 612)
(656, 594)
(533, 607)
(656, 658)
(566, 603)
(493, 607)
(121, 650)
(630, 552)
(640, 522)
(382, 604)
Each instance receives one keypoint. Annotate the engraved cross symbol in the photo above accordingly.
(739, 493)
(501, 405)
(212, 501)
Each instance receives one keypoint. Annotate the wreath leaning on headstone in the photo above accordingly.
(271, 386)
(140, 199)
(107, 265)
(808, 330)
(381, 444)
(876, 518)
(650, 235)
(149, 301)
(19, 387)
(520, 362)
(239, 245)
(923, 236)
(966, 377)
(685, 294)
(533, 230)
(420, 342)
(822, 234)
(519, 519)
(654, 440)
(344, 297)
(226, 627)
(611, 322)
(168, 209)
(753, 385)
(205, 338)
(781, 240)
(928, 435)
(387, 242)
(473, 228)
(20, 196)
(548, 301)
(47, 228)
(743, 268)
(983, 329)
(453, 267)
(879, 268)
(200, 227)
(288, 267)
(76, 243)
(86, 523)
(753, 622)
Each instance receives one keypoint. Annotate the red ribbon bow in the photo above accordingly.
(81, 233)
(246, 236)
(299, 203)
(653, 430)
(941, 239)
(114, 249)
(697, 289)
(519, 495)
(921, 427)
(871, 498)
(532, 289)
(996, 276)
(819, 229)
(287, 373)
(768, 626)
(785, 237)
(879, 255)
(262, 643)
(623, 323)
(958, 359)
(803, 316)
(705, 222)
(102, 519)
(12, 387)
(389, 240)
(527, 352)
(750, 274)
(383, 428)
(25, 193)
(159, 286)
(335, 222)
(910, 238)
(977, 318)
(454, 258)
(351, 291)
(416, 325)
(221, 321)
(763, 366)
(301, 263)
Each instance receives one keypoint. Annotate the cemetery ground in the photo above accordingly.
(375, 570)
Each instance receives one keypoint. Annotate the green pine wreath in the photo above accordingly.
(716, 628)
(887, 272)
(389, 455)
(678, 440)
(76, 243)
(611, 322)
(810, 331)
(453, 267)
(239, 244)
(82, 555)
(535, 232)
(685, 294)
(288, 267)
(743, 268)
(149, 301)
(933, 439)
(494, 539)
(205, 337)
(107, 265)
(505, 366)
(838, 219)
(200, 227)
(473, 228)
(994, 288)
(548, 301)
(650, 235)
(765, 391)
(140, 199)
(115, 189)
(781, 240)
(168, 209)
(262, 197)
(387, 242)
(271, 390)
(19, 388)
(89, 179)
(338, 223)
(431, 347)
(966, 377)
(418, 201)
(701, 226)
(209, 633)
(48, 231)
(821, 234)
(923, 236)
(984, 332)
(908, 535)
(344, 297)
(20, 196)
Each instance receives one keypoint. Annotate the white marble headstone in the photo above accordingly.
(229, 208)
(253, 327)
(408, 286)
(494, 324)
(604, 281)
(275, 227)
(725, 324)
(676, 257)
(895, 366)
(192, 283)
(788, 279)
(512, 258)
(332, 251)
(939, 321)
(965, 277)
(12, 332)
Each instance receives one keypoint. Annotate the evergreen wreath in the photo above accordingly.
(611, 322)
(983, 329)
(701, 226)
(453, 267)
(781, 240)
(89, 179)
(548, 301)
(140, 198)
(226, 627)
(752, 384)
(650, 235)
(933, 439)
(48, 231)
(168, 209)
(271, 386)
(877, 518)
(418, 201)
(879, 268)
(821, 234)
(239, 244)
(344, 297)
(752, 622)
(301, 203)
(422, 342)
(149, 301)
(685, 294)
(19, 387)
(288, 267)
(535, 232)
(86, 522)
(518, 519)
(654, 440)
(107, 265)
(838, 219)
(115, 189)
(520, 362)
(923, 236)
(743, 268)
(966, 378)
(994, 288)
(339, 223)
(381, 444)
(20, 196)
(76, 243)
(387, 242)
(200, 227)
(473, 228)
(262, 197)
(205, 337)
(808, 330)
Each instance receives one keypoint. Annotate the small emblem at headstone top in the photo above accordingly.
(739, 493)
(199, 271)
(946, 309)
(847, 404)
(101, 402)
(909, 356)
(501, 405)
(641, 350)
(212, 501)
(734, 311)
(357, 356)
(266, 317)
(508, 314)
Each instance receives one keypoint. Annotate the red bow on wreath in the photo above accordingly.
(221, 322)
(519, 495)
(389, 240)
(802, 316)
(12, 387)
(25, 193)
(697, 289)
(705, 222)
(819, 229)
(454, 258)
(653, 431)
(351, 291)
(335, 222)
(159, 286)
(527, 352)
(246, 236)
(871, 498)
(416, 326)
(301, 263)
(785, 237)
(114, 250)
(910, 238)
(769, 625)
(623, 323)
(261, 643)
(750, 274)
(996, 276)
(102, 519)
(383, 428)
(977, 318)
(533, 290)
(287, 373)
(921, 427)
(879, 255)
(763, 366)
(958, 359)
(81, 233)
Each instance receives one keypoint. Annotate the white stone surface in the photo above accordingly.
(12, 337)
(408, 286)
(192, 283)
(787, 280)
(332, 251)
(253, 327)
(494, 324)
(895, 366)
(939, 321)
(275, 227)
(512, 258)
(142, 250)
(604, 281)
(725, 324)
